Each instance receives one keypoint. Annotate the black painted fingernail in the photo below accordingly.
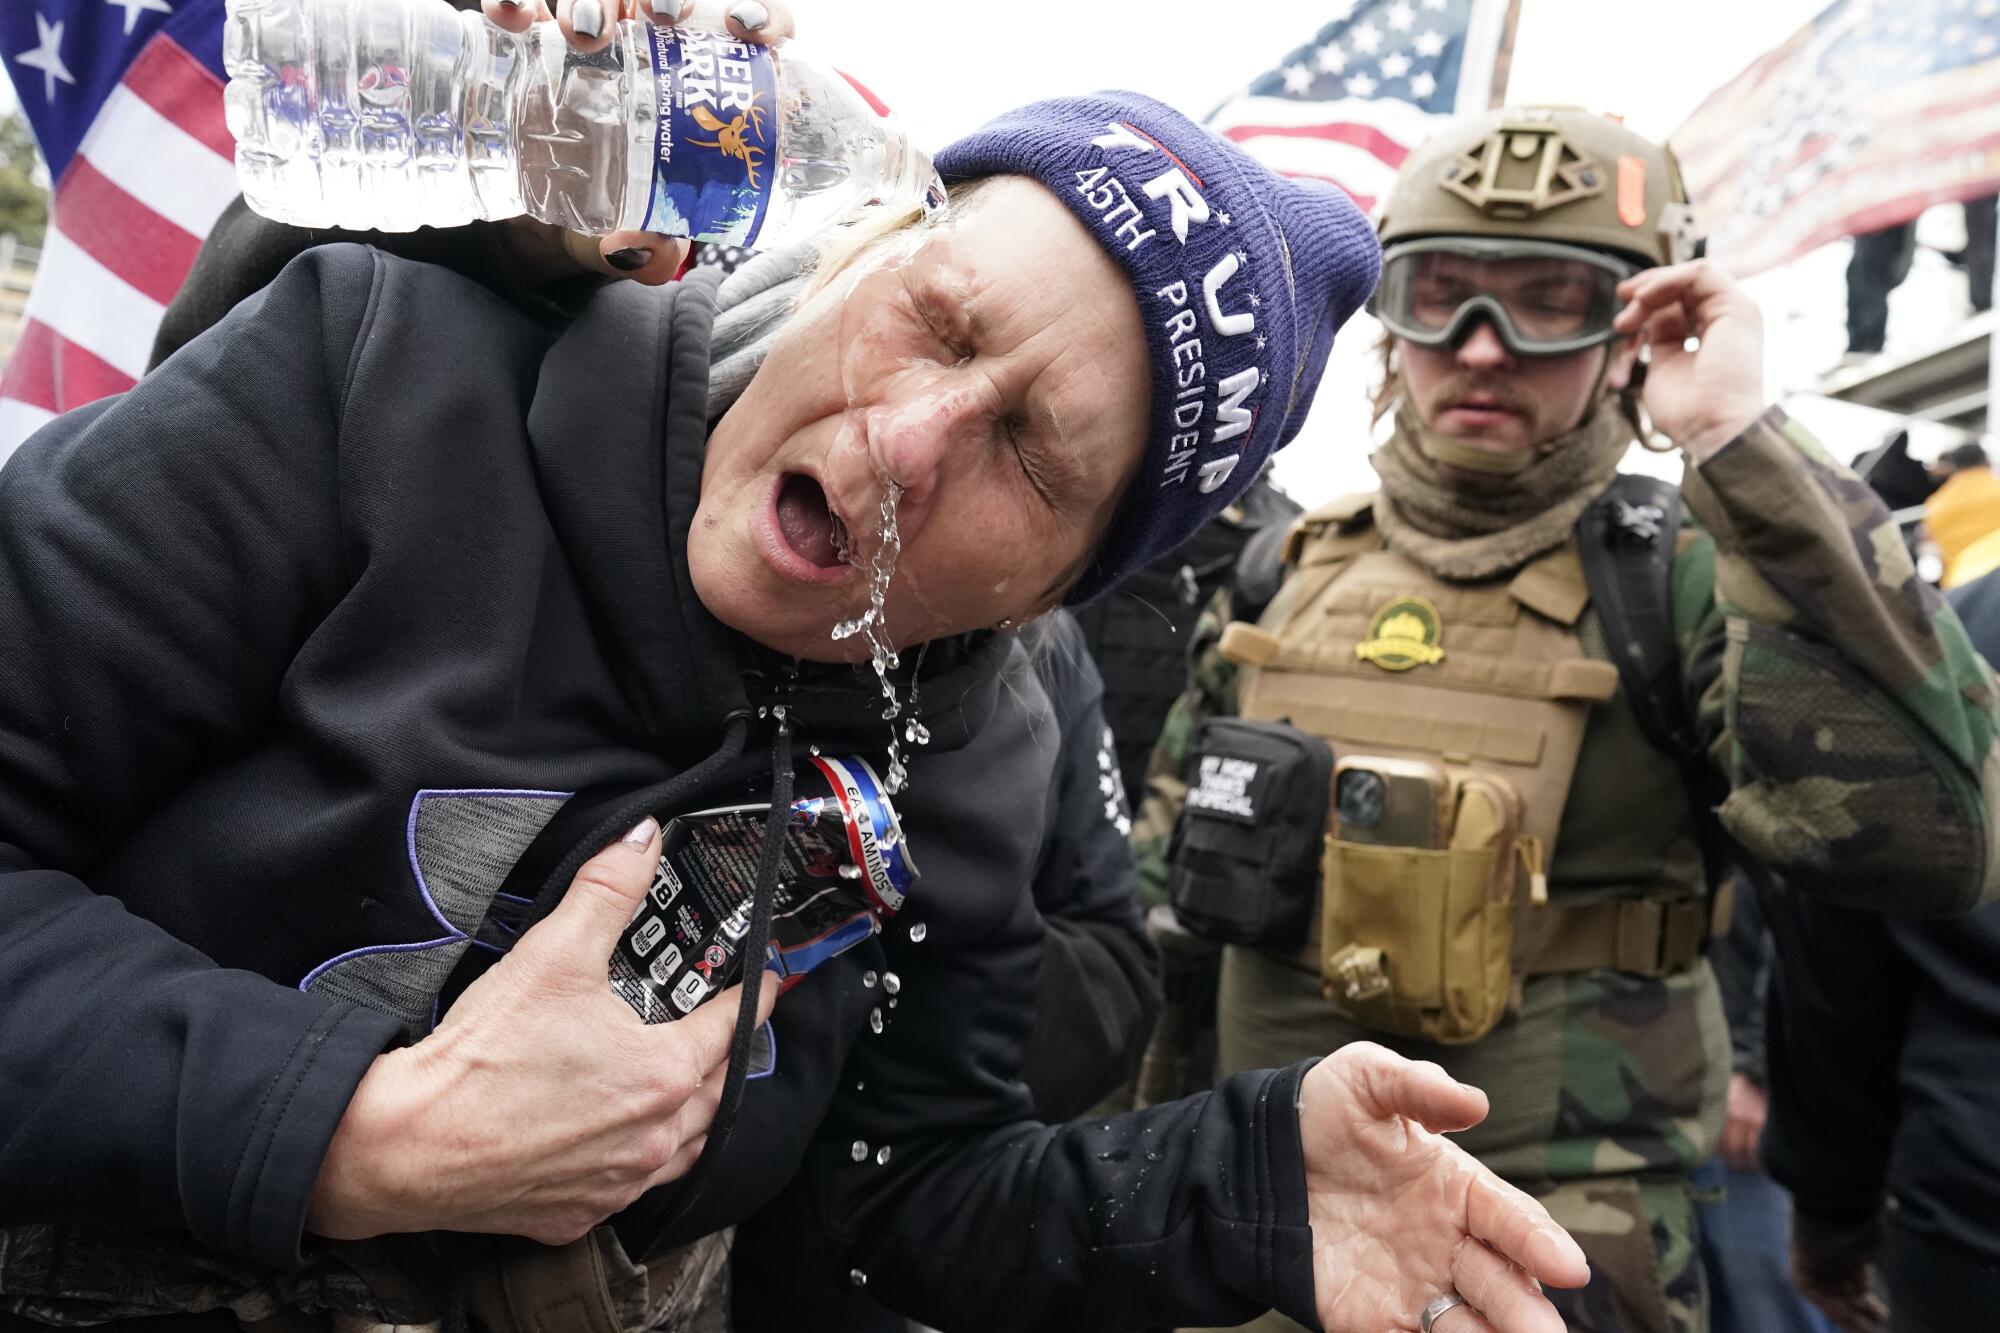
(629, 260)
(586, 18)
(750, 14)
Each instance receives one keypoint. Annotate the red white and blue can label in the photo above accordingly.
(844, 868)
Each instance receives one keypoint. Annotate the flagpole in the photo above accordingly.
(1503, 59)
(1993, 345)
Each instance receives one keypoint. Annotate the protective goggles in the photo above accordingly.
(1542, 298)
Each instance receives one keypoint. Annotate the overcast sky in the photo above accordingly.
(947, 67)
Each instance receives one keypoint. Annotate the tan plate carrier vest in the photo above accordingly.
(1509, 695)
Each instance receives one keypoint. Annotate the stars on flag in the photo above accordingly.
(134, 8)
(1348, 106)
(1888, 46)
(47, 57)
(1378, 48)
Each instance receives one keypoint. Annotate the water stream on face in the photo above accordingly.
(871, 625)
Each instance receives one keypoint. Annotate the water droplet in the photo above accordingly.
(892, 984)
(763, 712)
(860, 1084)
(882, 1157)
(850, 871)
(875, 1021)
(857, 1277)
(859, 1152)
(778, 711)
(813, 751)
(917, 932)
(882, 657)
(868, 979)
(892, 1003)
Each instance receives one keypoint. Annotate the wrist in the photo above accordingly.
(357, 1193)
(1703, 442)
(1814, 1235)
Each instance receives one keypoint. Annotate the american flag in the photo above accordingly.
(1865, 117)
(1349, 106)
(125, 97)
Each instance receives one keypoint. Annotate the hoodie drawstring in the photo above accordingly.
(756, 944)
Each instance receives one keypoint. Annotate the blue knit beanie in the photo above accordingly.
(1242, 277)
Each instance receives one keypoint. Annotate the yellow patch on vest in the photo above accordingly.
(1403, 634)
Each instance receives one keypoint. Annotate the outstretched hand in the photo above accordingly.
(588, 25)
(1705, 340)
(1401, 1215)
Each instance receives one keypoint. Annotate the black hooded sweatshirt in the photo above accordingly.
(307, 635)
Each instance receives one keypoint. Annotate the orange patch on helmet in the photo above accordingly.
(1632, 191)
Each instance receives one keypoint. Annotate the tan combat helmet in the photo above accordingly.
(1545, 173)
(1528, 181)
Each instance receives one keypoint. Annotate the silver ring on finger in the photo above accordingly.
(1451, 1300)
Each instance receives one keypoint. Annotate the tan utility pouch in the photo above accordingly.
(1417, 941)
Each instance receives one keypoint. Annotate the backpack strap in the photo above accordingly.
(1628, 538)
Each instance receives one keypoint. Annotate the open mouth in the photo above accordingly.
(810, 527)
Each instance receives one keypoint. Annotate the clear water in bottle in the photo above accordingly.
(395, 114)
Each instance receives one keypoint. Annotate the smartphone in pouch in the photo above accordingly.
(1391, 802)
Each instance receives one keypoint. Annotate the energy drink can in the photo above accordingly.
(845, 868)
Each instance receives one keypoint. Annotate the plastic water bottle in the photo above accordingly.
(396, 114)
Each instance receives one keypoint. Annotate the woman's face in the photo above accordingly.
(993, 366)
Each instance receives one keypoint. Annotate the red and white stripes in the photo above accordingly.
(127, 219)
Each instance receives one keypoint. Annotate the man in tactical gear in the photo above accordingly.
(1460, 786)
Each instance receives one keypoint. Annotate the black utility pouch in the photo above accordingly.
(1243, 867)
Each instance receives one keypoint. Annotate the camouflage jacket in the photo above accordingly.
(1855, 726)
(1835, 691)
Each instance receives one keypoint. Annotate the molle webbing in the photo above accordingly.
(1512, 693)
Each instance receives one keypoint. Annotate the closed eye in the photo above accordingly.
(940, 326)
(1033, 465)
